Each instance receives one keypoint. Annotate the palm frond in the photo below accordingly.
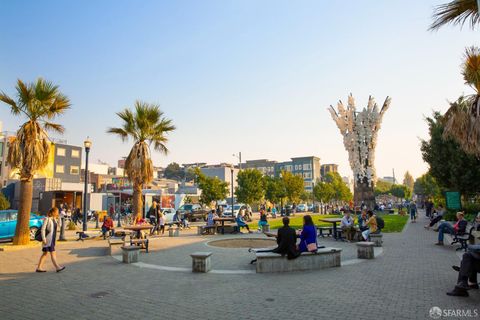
(456, 12)
(122, 133)
(471, 68)
(49, 126)
(13, 105)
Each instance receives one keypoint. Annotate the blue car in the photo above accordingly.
(8, 223)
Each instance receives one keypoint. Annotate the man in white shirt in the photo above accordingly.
(348, 226)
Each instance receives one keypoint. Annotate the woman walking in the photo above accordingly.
(49, 235)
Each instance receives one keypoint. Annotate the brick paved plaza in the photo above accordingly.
(404, 282)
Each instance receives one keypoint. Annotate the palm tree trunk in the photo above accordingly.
(22, 231)
(137, 200)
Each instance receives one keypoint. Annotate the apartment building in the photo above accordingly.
(306, 167)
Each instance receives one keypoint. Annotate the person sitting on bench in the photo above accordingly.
(308, 236)
(438, 217)
(467, 273)
(362, 221)
(241, 222)
(263, 220)
(287, 241)
(107, 226)
(458, 228)
(347, 225)
(372, 225)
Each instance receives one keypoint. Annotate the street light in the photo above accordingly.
(87, 144)
(231, 184)
(239, 157)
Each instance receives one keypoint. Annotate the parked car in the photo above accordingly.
(302, 207)
(310, 208)
(8, 223)
(236, 209)
(193, 212)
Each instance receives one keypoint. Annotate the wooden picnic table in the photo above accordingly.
(222, 220)
(138, 229)
(334, 222)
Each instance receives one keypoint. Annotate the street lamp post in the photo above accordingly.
(239, 157)
(87, 144)
(231, 184)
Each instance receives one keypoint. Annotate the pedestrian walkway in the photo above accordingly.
(405, 282)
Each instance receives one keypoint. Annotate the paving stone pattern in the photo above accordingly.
(409, 278)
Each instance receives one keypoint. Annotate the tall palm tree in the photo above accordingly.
(146, 126)
(40, 103)
(462, 120)
(456, 12)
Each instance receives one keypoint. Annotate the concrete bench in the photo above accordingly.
(268, 262)
(376, 238)
(201, 230)
(123, 234)
(173, 232)
(114, 244)
(201, 262)
(130, 254)
(365, 250)
(140, 243)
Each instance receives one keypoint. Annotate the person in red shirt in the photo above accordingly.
(107, 226)
(458, 228)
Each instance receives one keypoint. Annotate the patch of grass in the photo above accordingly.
(393, 223)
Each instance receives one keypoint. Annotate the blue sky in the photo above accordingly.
(250, 76)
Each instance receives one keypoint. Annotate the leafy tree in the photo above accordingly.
(213, 189)
(408, 181)
(382, 187)
(40, 103)
(450, 166)
(4, 203)
(306, 196)
(275, 191)
(174, 171)
(427, 186)
(293, 186)
(400, 191)
(456, 12)
(332, 188)
(251, 186)
(323, 192)
(146, 125)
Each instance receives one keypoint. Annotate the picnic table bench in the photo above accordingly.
(142, 243)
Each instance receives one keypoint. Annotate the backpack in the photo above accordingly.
(380, 223)
(38, 233)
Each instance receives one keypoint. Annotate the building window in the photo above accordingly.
(74, 170)
(60, 168)
(75, 153)
(61, 152)
(307, 175)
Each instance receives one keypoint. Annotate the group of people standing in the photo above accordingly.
(157, 219)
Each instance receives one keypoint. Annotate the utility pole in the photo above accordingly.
(393, 170)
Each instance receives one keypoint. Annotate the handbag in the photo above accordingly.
(312, 247)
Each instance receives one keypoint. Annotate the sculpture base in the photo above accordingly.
(365, 194)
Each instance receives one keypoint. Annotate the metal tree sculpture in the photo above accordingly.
(359, 130)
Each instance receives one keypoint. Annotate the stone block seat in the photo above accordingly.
(323, 230)
(130, 254)
(268, 262)
(114, 244)
(201, 261)
(365, 250)
(173, 231)
(376, 238)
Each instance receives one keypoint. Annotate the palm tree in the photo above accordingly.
(462, 120)
(39, 102)
(145, 126)
(456, 12)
